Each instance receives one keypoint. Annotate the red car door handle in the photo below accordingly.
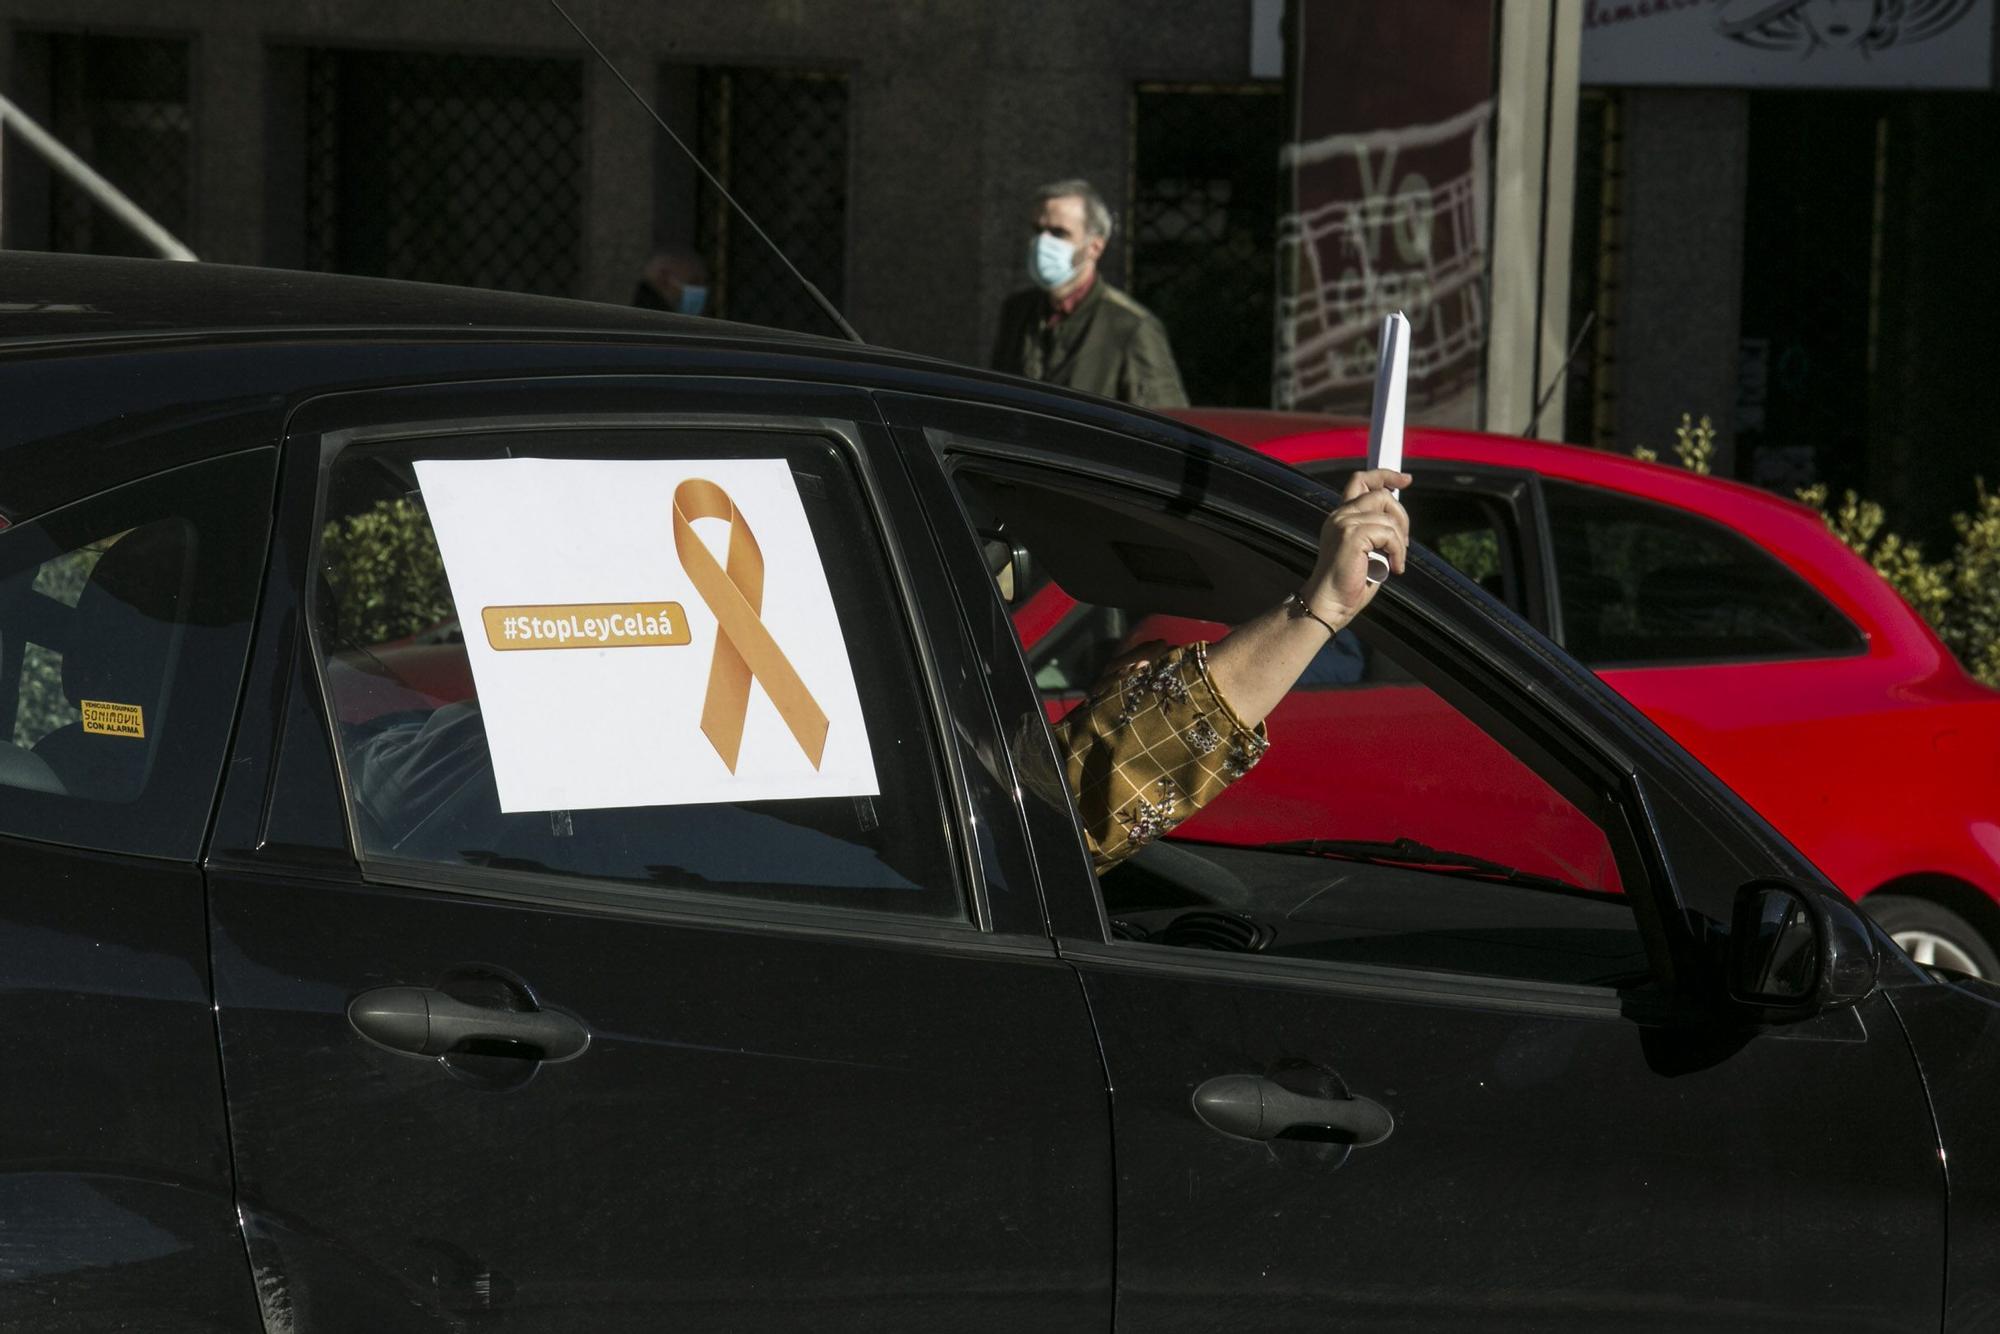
(1253, 1107)
(427, 1022)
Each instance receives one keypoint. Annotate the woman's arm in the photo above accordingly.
(1259, 661)
(1168, 729)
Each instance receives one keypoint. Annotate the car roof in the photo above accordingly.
(114, 368)
(64, 298)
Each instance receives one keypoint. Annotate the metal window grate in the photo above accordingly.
(777, 139)
(121, 103)
(445, 168)
(1205, 195)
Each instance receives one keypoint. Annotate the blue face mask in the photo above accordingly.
(693, 298)
(1051, 261)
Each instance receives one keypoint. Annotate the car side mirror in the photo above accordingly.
(1796, 951)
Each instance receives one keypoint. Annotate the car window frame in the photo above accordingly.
(1510, 711)
(1554, 765)
(978, 925)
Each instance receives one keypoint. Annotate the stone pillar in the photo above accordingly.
(1534, 176)
(230, 109)
(618, 167)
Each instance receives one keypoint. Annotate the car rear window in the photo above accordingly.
(124, 624)
(1641, 583)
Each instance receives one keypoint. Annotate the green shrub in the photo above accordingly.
(42, 706)
(1694, 445)
(1925, 585)
(386, 574)
(1972, 618)
(1959, 595)
(1474, 553)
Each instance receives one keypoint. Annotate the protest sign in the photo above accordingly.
(648, 632)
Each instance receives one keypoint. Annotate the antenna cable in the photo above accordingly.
(702, 167)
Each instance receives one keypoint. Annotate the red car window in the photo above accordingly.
(1641, 583)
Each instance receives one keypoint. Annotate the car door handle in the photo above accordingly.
(427, 1022)
(1253, 1107)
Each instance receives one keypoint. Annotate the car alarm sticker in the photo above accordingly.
(648, 632)
(108, 719)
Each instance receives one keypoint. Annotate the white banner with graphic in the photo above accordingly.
(1789, 43)
(648, 632)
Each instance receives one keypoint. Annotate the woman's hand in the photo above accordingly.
(1257, 662)
(1369, 519)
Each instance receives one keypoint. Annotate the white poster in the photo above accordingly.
(1789, 43)
(648, 632)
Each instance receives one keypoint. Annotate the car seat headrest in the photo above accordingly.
(121, 633)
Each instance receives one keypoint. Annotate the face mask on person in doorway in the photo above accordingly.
(1051, 261)
(693, 298)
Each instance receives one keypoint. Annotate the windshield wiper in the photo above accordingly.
(1409, 852)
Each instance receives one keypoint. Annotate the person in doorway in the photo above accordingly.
(674, 279)
(1073, 328)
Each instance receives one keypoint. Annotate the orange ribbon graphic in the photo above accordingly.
(744, 648)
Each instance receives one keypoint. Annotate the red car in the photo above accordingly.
(1730, 616)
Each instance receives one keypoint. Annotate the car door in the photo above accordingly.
(124, 624)
(803, 1063)
(1370, 1092)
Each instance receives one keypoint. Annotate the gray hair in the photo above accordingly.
(1097, 220)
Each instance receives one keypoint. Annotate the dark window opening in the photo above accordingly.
(122, 105)
(454, 169)
(777, 140)
(1204, 225)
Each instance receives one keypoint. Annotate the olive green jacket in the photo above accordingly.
(1109, 345)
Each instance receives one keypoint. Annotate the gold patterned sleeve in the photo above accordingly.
(1149, 748)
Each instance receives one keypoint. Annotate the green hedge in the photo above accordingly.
(1959, 595)
(385, 572)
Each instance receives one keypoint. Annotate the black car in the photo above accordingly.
(314, 1029)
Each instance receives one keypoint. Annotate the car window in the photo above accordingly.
(1474, 533)
(413, 735)
(1641, 583)
(1440, 849)
(123, 626)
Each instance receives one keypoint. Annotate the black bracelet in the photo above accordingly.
(1300, 607)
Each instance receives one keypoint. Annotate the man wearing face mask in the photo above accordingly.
(674, 279)
(1073, 328)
